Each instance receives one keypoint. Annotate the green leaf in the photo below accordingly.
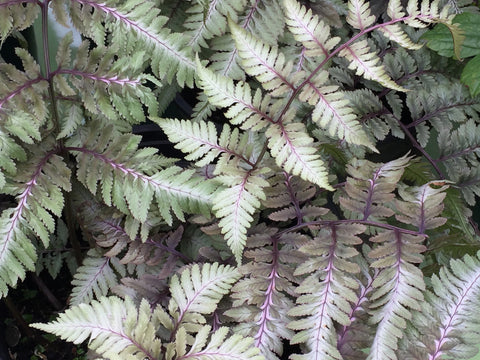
(471, 75)
(465, 36)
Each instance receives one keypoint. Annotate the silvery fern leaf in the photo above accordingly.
(236, 204)
(308, 29)
(370, 187)
(368, 64)
(243, 109)
(39, 188)
(220, 346)
(109, 86)
(263, 61)
(116, 329)
(137, 26)
(326, 294)
(448, 324)
(113, 165)
(359, 15)
(333, 111)
(197, 292)
(293, 151)
(95, 277)
(204, 23)
(400, 285)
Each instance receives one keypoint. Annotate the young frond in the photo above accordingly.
(236, 204)
(293, 151)
(333, 111)
(263, 61)
(328, 292)
(243, 109)
(368, 64)
(448, 321)
(116, 329)
(112, 165)
(203, 24)
(359, 15)
(370, 187)
(197, 292)
(308, 29)
(220, 347)
(137, 26)
(95, 277)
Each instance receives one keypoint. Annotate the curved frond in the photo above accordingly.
(263, 61)
(308, 29)
(243, 109)
(293, 151)
(116, 329)
(333, 111)
(197, 292)
(368, 64)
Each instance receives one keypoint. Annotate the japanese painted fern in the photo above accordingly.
(290, 226)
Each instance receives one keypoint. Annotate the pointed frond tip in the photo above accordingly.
(368, 64)
(116, 329)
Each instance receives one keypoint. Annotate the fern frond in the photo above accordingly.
(333, 111)
(133, 27)
(421, 207)
(293, 151)
(328, 292)
(95, 277)
(16, 16)
(236, 204)
(359, 15)
(398, 289)
(116, 329)
(203, 24)
(197, 292)
(261, 299)
(371, 187)
(448, 321)
(111, 164)
(263, 61)
(395, 33)
(39, 185)
(112, 87)
(243, 109)
(368, 64)
(23, 109)
(308, 29)
(220, 346)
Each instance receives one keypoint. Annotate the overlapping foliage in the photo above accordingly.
(329, 167)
